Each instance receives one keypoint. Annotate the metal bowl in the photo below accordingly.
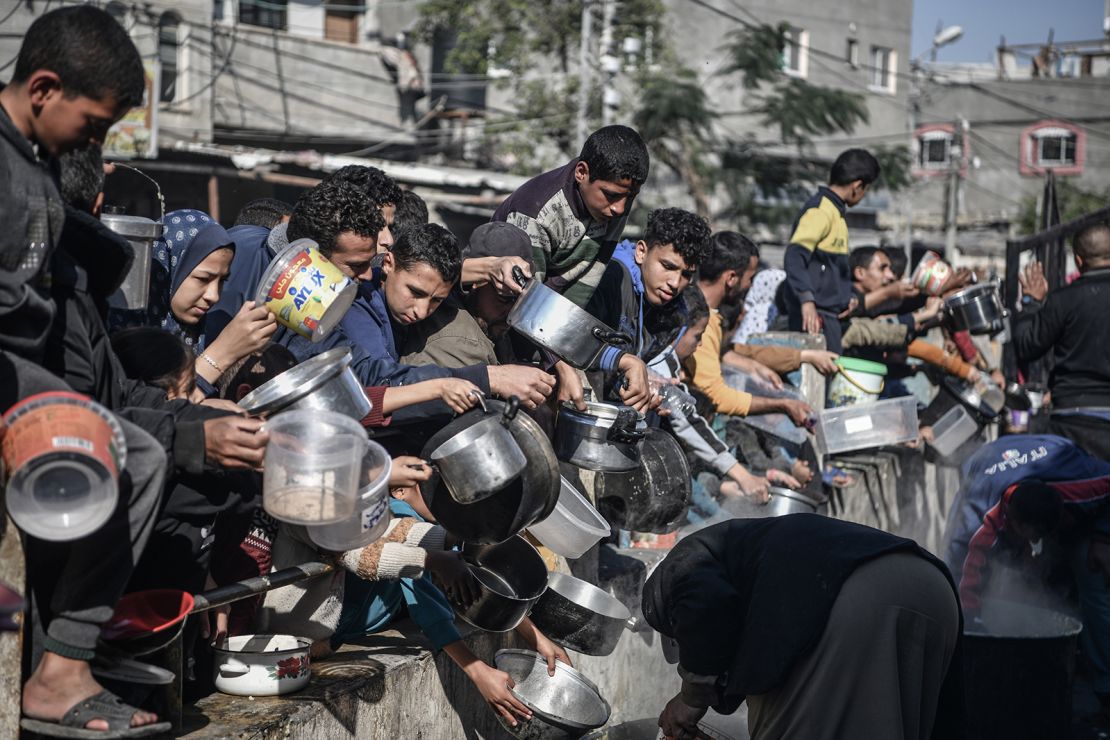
(321, 383)
(566, 705)
(510, 576)
(580, 616)
(785, 501)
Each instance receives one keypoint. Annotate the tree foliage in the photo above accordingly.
(1073, 200)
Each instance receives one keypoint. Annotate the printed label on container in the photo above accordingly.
(305, 290)
(59, 426)
(858, 424)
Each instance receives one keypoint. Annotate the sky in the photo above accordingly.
(1020, 21)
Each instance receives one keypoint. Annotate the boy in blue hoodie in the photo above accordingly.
(640, 292)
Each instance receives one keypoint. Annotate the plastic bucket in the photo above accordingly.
(573, 527)
(371, 515)
(63, 453)
(859, 381)
(305, 291)
(931, 274)
(312, 467)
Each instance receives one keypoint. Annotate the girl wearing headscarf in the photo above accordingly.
(830, 630)
(192, 260)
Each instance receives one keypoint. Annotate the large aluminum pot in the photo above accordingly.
(653, 498)
(566, 705)
(134, 293)
(580, 616)
(977, 309)
(785, 501)
(481, 460)
(559, 326)
(524, 501)
(605, 437)
(511, 576)
(321, 383)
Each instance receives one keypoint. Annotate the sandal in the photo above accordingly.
(104, 705)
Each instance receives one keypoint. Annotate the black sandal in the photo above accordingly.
(104, 705)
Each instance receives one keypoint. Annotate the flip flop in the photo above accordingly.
(104, 705)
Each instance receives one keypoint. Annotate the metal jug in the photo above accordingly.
(134, 293)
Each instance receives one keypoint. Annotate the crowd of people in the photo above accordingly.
(428, 335)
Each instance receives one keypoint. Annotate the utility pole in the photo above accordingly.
(610, 96)
(951, 250)
(584, 70)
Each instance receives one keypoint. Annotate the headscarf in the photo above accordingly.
(759, 305)
(190, 237)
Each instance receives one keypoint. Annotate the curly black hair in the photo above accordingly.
(687, 232)
(330, 209)
(728, 250)
(380, 188)
(429, 244)
(264, 212)
(411, 211)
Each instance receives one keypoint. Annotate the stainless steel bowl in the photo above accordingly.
(566, 705)
(580, 616)
(511, 576)
(784, 501)
(321, 383)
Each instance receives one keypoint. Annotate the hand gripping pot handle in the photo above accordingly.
(510, 410)
(232, 667)
(615, 338)
(519, 277)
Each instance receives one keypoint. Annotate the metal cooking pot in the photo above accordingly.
(977, 309)
(558, 325)
(322, 383)
(984, 399)
(480, 460)
(785, 501)
(262, 665)
(524, 501)
(653, 498)
(605, 437)
(566, 705)
(511, 576)
(580, 616)
(134, 293)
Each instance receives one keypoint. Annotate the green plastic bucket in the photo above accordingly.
(859, 381)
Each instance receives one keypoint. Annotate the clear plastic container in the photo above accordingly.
(312, 467)
(371, 516)
(573, 527)
(776, 424)
(952, 430)
(864, 426)
(64, 454)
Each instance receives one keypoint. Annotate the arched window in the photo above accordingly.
(1053, 145)
(938, 150)
(169, 51)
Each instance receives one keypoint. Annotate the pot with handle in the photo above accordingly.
(580, 616)
(321, 383)
(482, 459)
(262, 665)
(605, 437)
(785, 501)
(556, 324)
(977, 309)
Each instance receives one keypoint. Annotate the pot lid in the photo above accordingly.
(861, 366)
(794, 495)
(135, 227)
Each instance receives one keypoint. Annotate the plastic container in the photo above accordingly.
(777, 424)
(371, 516)
(312, 467)
(573, 527)
(931, 274)
(863, 426)
(63, 453)
(859, 381)
(952, 430)
(305, 291)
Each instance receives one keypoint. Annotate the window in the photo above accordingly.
(851, 55)
(169, 48)
(934, 150)
(1053, 145)
(795, 60)
(265, 13)
(341, 25)
(883, 68)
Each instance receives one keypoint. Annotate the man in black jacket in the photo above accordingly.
(1071, 324)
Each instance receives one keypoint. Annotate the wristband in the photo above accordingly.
(204, 356)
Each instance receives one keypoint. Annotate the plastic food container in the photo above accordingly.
(305, 291)
(931, 274)
(64, 454)
(312, 467)
(863, 426)
(573, 527)
(952, 430)
(371, 515)
(859, 381)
